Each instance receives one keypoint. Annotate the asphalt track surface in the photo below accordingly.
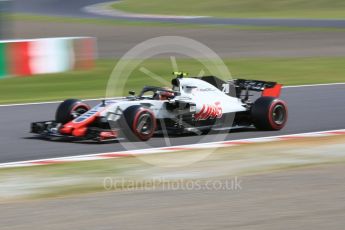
(73, 8)
(316, 108)
(307, 199)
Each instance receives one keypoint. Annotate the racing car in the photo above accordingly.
(191, 104)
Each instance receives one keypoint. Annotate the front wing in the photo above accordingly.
(50, 130)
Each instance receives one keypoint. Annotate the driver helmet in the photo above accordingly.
(165, 95)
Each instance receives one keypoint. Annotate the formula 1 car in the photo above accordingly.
(193, 104)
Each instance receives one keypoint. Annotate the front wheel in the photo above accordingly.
(139, 123)
(269, 113)
(69, 110)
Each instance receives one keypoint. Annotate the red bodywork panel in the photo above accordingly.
(108, 135)
(77, 129)
(272, 92)
(79, 126)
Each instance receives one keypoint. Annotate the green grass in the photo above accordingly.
(92, 84)
(110, 22)
(239, 8)
(122, 22)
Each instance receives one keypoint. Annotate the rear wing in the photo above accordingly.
(268, 88)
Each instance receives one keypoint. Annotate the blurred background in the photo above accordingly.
(51, 50)
(5, 28)
(256, 39)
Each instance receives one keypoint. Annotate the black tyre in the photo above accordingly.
(138, 123)
(70, 109)
(269, 113)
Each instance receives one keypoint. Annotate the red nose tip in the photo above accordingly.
(66, 130)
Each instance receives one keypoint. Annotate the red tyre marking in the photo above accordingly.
(135, 123)
(86, 106)
(270, 114)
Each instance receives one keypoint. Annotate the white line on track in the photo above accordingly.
(52, 102)
(95, 99)
(119, 154)
(314, 85)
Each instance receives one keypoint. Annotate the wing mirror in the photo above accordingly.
(132, 93)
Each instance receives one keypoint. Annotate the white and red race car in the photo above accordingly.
(193, 104)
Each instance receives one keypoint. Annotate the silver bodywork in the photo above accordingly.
(201, 94)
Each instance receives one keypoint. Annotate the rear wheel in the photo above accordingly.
(139, 123)
(269, 113)
(69, 110)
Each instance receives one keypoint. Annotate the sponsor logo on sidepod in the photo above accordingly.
(210, 112)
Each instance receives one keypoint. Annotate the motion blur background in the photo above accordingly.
(51, 50)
